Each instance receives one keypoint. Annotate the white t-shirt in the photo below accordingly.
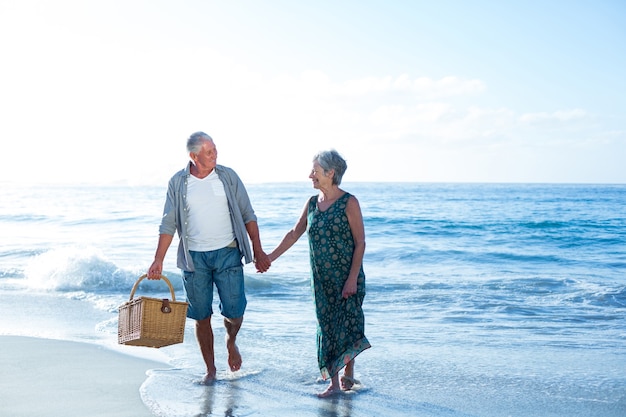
(209, 226)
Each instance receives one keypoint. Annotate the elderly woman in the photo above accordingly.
(336, 234)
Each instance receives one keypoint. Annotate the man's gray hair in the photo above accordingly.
(195, 141)
(332, 160)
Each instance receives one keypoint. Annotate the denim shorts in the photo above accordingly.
(223, 268)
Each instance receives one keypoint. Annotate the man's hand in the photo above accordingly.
(262, 261)
(155, 270)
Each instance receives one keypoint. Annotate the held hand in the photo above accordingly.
(262, 262)
(155, 270)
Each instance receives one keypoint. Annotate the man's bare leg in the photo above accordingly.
(232, 328)
(204, 335)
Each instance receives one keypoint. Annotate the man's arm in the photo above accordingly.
(261, 260)
(156, 269)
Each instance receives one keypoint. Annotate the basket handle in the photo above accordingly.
(163, 277)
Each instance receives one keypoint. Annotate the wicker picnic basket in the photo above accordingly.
(151, 322)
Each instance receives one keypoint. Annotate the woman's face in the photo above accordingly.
(318, 177)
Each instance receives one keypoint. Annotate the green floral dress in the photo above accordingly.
(340, 322)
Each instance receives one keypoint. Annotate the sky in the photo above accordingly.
(107, 92)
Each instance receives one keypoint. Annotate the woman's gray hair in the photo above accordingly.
(195, 141)
(332, 160)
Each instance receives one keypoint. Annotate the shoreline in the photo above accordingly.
(44, 377)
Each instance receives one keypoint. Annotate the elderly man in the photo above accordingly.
(208, 206)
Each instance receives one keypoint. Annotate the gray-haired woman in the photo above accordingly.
(334, 224)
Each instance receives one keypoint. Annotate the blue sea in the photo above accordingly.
(482, 299)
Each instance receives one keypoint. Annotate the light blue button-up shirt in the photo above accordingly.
(174, 218)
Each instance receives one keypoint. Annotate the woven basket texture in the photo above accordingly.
(151, 322)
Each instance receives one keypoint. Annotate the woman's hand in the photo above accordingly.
(349, 288)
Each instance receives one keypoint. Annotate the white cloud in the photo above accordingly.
(557, 116)
(421, 88)
(266, 128)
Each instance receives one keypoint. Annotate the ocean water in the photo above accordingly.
(482, 299)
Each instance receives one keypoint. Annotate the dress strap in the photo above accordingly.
(312, 204)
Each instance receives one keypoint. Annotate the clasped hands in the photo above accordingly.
(262, 262)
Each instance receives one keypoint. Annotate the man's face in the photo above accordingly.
(206, 159)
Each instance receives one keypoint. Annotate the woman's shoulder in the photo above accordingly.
(348, 196)
(351, 201)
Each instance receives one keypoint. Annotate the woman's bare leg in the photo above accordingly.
(332, 388)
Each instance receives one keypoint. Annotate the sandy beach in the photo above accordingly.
(43, 377)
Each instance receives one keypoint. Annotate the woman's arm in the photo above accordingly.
(292, 235)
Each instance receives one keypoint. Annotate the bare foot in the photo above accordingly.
(347, 382)
(208, 378)
(234, 358)
(329, 392)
